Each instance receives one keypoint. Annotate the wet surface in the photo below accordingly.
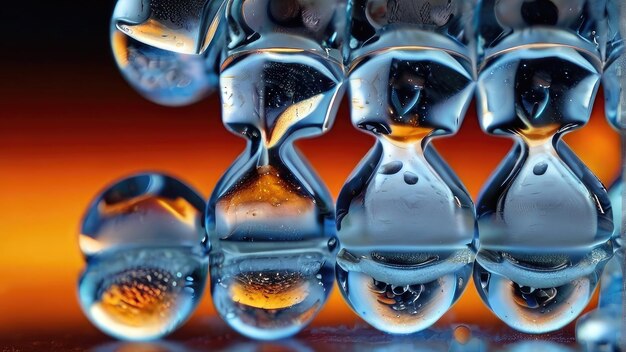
(213, 334)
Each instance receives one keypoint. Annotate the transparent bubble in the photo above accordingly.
(402, 296)
(545, 221)
(169, 51)
(161, 76)
(144, 243)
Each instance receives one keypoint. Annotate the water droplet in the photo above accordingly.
(133, 289)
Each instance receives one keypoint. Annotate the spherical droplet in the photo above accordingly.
(462, 334)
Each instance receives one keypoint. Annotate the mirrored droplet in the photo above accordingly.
(274, 292)
(410, 178)
(134, 294)
(533, 309)
(540, 168)
(146, 261)
(391, 168)
(400, 304)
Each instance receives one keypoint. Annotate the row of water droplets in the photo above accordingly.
(405, 222)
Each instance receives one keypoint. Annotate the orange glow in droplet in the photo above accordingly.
(270, 290)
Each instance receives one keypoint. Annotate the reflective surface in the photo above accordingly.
(146, 263)
(545, 221)
(273, 289)
(213, 334)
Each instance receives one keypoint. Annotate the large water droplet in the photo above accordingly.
(146, 264)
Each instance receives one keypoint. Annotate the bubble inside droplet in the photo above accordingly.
(462, 334)
(540, 168)
(146, 269)
(391, 168)
(410, 178)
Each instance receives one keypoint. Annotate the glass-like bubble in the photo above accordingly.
(405, 221)
(545, 221)
(145, 246)
(270, 219)
(169, 51)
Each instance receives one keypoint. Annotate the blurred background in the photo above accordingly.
(70, 125)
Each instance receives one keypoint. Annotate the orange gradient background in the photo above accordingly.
(67, 131)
